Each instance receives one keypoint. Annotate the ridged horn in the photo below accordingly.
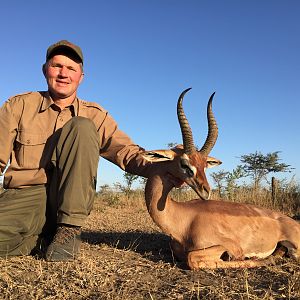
(187, 136)
(212, 129)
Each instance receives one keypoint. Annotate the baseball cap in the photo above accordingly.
(64, 45)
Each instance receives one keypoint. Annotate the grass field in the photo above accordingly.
(125, 256)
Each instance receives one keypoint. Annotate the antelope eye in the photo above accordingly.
(186, 168)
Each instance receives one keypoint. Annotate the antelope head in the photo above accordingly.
(187, 163)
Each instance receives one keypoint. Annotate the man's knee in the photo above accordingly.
(83, 130)
(15, 244)
(22, 217)
(81, 124)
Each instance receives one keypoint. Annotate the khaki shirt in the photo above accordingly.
(29, 121)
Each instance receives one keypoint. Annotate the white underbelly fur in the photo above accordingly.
(260, 255)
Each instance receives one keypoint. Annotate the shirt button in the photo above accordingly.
(28, 142)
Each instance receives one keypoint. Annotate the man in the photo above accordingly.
(50, 143)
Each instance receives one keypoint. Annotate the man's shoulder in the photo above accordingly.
(25, 96)
(92, 105)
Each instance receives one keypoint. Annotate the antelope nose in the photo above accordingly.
(205, 193)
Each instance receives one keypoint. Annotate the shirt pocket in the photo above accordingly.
(29, 149)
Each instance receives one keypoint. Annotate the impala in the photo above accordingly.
(212, 233)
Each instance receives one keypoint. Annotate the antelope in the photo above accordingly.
(212, 233)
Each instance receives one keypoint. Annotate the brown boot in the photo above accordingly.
(65, 245)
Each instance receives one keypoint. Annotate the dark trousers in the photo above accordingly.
(68, 197)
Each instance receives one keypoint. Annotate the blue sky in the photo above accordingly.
(139, 56)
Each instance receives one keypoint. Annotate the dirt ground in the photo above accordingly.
(125, 256)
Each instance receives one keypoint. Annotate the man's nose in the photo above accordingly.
(63, 71)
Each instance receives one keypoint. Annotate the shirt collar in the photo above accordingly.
(47, 102)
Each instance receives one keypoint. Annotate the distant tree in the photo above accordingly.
(104, 189)
(126, 188)
(220, 179)
(226, 182)
(171, 145)
(258, 166)
(129, 179)
(143, 181)
(231, 180)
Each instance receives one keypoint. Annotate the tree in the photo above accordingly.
(104, 189)
(219, 179)
(231, 179)
(171, 145)
(129, 180)
(143, 181)
(258, 166)
(226, 181)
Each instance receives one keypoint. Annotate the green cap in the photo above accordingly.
(64, 45)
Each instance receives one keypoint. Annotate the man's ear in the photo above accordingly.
(212, 162)
(81, 78)
(44, 69)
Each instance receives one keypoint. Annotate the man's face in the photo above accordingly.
(63, 75)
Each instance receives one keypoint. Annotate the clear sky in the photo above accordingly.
(139, 56)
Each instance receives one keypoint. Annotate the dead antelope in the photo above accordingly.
(210, 233)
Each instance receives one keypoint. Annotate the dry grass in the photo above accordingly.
(125, 256)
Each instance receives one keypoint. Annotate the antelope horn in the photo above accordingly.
(212, 129)
(187, 136)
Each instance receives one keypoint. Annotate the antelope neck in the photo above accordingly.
(162, 209)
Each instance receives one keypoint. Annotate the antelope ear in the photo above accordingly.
(212, 162)
(158, 155)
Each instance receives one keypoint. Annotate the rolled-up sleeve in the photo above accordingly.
(8, 131)
(118, 148)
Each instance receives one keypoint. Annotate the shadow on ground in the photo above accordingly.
(153, 246)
